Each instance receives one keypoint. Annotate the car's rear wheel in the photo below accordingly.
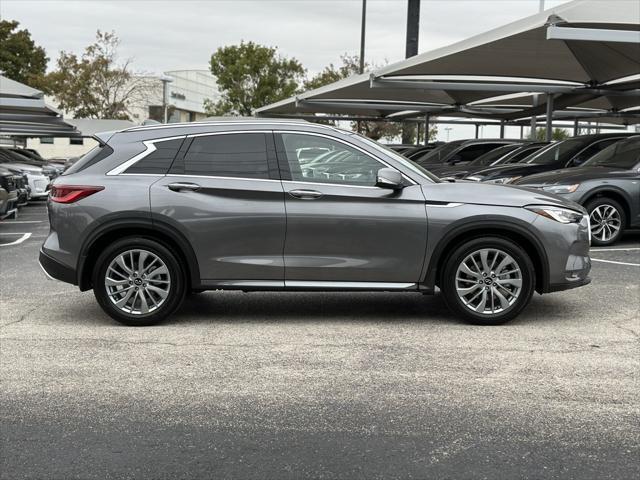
(488, 281)
(607, 220)
(138, 281)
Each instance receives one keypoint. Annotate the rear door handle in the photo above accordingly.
(305, 194)
(180, 186)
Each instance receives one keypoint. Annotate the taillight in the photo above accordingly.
(72, 193)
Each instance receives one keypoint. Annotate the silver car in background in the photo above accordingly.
(156, 212)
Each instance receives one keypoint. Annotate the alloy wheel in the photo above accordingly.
(137, 281)
(605, 222)
(488, 281)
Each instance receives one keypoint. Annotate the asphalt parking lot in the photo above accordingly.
(265, 385)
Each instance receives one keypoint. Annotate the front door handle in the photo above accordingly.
(180, 186)
(305, 194)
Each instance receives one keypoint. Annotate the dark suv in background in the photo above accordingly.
(155, 212)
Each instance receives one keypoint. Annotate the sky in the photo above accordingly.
(162, 35)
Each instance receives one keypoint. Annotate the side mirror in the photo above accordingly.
(389, 178)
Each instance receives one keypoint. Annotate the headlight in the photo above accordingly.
(504, 180)
(561, 188)
(559, 214)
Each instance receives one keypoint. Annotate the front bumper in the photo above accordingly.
(56, 270)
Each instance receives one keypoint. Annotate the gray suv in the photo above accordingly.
(157, 212)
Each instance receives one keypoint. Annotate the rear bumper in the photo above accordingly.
(56, 270)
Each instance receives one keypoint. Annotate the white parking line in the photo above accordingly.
(616, 263)
(614, 249)
(20, 240)
(11, 222)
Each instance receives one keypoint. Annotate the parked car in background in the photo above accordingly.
(9, 205)
(38, 182)
(21, 183)
(607, 185)
(564, 154)
(461, 151)
(50, 169)
(512, 153)
(417, 152)
(224, 205)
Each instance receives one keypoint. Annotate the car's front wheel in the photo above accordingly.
(138, 281)
(607, 220)
(488, 281)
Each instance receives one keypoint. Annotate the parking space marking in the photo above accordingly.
(614, 249)
(16, 242)
(616, 263)
(11, 222)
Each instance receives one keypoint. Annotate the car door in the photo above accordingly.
(224, 194)
(341, 228)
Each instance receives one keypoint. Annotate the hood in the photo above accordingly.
(514, 170)
(570, 176)
(490, 194)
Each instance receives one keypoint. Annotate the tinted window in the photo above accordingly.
(494, 155)
(158, 161)
(591, 150)
(242, 155)
(335, 162)
(472, 152)
(93, 156)
(561, 151)
(438, 154)
(524, 153)
(625, 154)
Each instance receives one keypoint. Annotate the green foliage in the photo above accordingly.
(94, 85)
(20, 58)
(556, 134)
(250, 76)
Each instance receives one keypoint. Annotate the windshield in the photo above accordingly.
(438, 154)
(561, 151)
(399, 158)
(493, 155)
(625, 155)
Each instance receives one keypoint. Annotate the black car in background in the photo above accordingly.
(564, 154)
(8, 206)
(461, 151)
(607, 185)
(512, 153)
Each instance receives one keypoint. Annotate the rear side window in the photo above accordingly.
(240, 155)
(93, 156)
(158, 161)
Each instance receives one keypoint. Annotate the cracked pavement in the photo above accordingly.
(295, 385)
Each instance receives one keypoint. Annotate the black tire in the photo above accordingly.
(176, 292)
(460, 253)
(599, 202)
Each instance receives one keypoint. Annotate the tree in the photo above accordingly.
(351, 66)
(250, 76)
(20, 58)
(556, 134)
(95, 85)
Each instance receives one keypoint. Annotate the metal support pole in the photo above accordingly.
(164, 102)
(502, 129)
(521, 132)
(576, 128)
(477, 130)
(426, 129)
(413, 27)
(534, 119)
(549, 125)
(362, 34)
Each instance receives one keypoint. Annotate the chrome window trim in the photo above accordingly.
(330, 137)
(445, 205)
(342, 185)
(150, 148)
(216, 177)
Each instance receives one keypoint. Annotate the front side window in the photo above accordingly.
(237, 155)
(323, 160)
(625, 154)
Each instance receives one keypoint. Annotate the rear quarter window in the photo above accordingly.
(93, 156)
(159, 161)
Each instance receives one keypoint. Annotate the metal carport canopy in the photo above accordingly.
(24, 113)
(517, 57)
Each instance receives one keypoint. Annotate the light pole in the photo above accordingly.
(362, 34)
(165, 79)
